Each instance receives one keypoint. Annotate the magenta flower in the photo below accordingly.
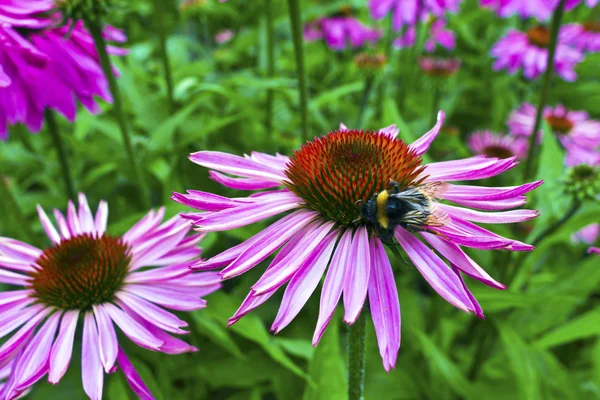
(438, 34)
(577, 133)
(408, 12)
(104, 280)
(322, 228)
(585, 37)
(24, 14)
(48, 66)
(529, 51)
(539, 9)
(494, 145)
(337, 31)
(224, 36)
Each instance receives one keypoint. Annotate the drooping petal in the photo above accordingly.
(333, 284)
(356, 282)
(60, 357)
(134, 380)
(107, 336)
(434, 270)
(384, 304)
(134, 331)
(91, 366)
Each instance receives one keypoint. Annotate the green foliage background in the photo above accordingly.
(541, 334)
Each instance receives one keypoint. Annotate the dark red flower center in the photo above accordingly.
(591, 26)
(81, 271)
(559, 124)
(498, 151)
(333, 172)
(539, 36)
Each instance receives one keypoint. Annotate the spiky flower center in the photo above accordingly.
(582, 182)
(498, 151)
(80, 272)
(439, 66)
(539, 36)
(559, 124)
(591, 26)
(333, 172)
(370, 61)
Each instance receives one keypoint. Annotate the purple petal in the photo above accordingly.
(60, 357)
(91, 366)
(384, 304)
(503, 217)
(152, 313)
(173, 299)
(108, 338)
(236, 165)
(134, 331)
(421, 145)
(101, 218)
(134, 380)
(356, 282)
(47, 225)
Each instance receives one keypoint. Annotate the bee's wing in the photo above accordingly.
(434, 190)
(411, 194)
(437, 217)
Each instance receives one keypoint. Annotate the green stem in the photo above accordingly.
(159, 12)
(364, 101)
(356, 357)
(296, 25)
(95, 29)
(534, 150)
(552, 228)
(270, 67)
(12, 207)
(61, 152)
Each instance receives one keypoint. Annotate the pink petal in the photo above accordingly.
(47, 225)
(356, 282)
(60, 357)
(134, 331)
(91, 366)
(236, 165)
(134, 380)
(108, 338)
(152, 313)
(421, 145)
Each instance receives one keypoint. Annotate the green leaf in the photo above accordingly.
(521, 363)
(216, 332)
(582, 327)
(327, 367)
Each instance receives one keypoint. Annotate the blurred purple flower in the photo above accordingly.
(338, 30)
(103, 280)
(495, 145)
(539, 9)
(585, 37)
(588, 235)
(438, 34)
(408, 12)
(320, 230)
(529, 51)
(578, 134)
(224, 36)
(47, 66)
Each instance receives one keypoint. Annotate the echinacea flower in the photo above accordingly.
(529, 51)
(103, 280)
(224, 36)
(585, 37)
(25, 14)
(321, 230)
(409, 12)
(538, 9)
(588, 235)
(576, 131)
(495, 145)
(439, 66)
(47, 66)
(338, 30)
(438, 34)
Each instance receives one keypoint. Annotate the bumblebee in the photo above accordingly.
(411, 208)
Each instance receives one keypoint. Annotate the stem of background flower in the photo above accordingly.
(12, 207)
(356, 357)
(296, 25)
(96, 31)
(159, 14)
(61, 152)
(270, 67)
(364, 101)
(534, 151)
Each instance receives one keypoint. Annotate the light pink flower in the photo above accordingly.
(338, 31)
(575, 130)
(224, 36)
(494, 145)
(528, 50)
(104, 280)
(588, 234)
(585, 37)
(323, 229)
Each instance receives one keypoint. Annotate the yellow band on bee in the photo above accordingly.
(382, 200)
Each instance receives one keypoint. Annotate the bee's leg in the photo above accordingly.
(393, 187)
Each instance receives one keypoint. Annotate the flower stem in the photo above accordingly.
(94, 25)
(270, 66)
(356, 357)
(296, 24)
(12, 207)
(159, 12)
(364, 101)
(61, 152)
(534, 151)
